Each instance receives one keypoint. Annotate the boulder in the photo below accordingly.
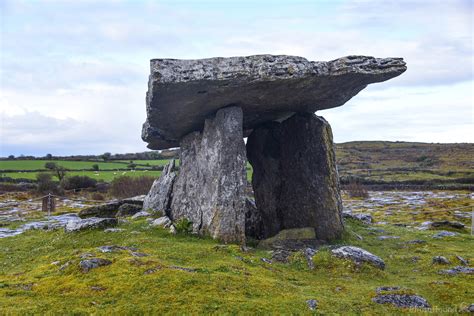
(158, 198)
(358, 255)
(210, 188)
(440, 260)
(182, 93)
(444, 233)
(295, 179)
(447, 224)
(128, 209)
(402, 300)
(163, 221)
(93, 263)
(363, 217)
(90, 223)
(107, 210)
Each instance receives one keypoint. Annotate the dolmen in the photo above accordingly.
(208, 106)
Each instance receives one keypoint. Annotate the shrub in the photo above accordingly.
(78, 182)
(97, 196)
(46, 183)
(357, 190)
(95, 167)
(184, 226)
(126, 186)
(50, 165)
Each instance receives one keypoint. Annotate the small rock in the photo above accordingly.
(309, 254)
(416, 241)
(358, 236)
(86, 255)
(363, 217)
(152, 270)
(138, 254)
(88, 264)
(266, 260)
(358, 255)
(381, 289)
(163, 221)
(402, 300)
(444, 233)
(440, 260)
(64, 266)
(462, 260)
(173, 230)
(183, 269)
(450, 224)
(97, 288)
(128, 209)
(470, 308)
(115, 248)
(415, 259)
(312, 304)
(89, 223)
(387, 237)
(55, 263)
(457, 270)
(141, 214)
(281, 255)
(113, 230)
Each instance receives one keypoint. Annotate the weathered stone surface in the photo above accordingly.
(457, 270)
(440, 260)
(107, 210)
(90, 223)
(88, 264)
(358, 255)
(253, 220)
(444, 233)
(137, 200)
(183, 93)
(312, 304)
(402, 300)
(159, 197)
(128, 209)
(140, 214)
(363, 217)
(291, 239)
(447, 224)
(210, 187)
(295, 178)
(163, 221)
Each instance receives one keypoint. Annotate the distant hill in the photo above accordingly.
(378, 162)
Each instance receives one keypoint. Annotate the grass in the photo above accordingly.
(222, 282)
(39, 164)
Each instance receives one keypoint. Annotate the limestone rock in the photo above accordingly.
(457, 270)
(295, 179)
(141, 214)
(158, 198)
(210, 188)
(90, 223)
(363, 217)
(137, 200)
(182, 93)
(402, 300)
(163, 221)
(444, 233)
(128, 209)
(358, 255)
(89, 264)
(447, 224)
(107, 210)
(312, 304)
(440, 260)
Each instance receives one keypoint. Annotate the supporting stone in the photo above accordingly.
(210, 187)
(295, 178)
(159, 197)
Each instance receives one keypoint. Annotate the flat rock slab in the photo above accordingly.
(183, 93)
(402, 300)
(358, 255)
(90, 223)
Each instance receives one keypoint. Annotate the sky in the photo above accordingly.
(74, 73)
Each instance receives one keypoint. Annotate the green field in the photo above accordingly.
(101, 175)
(39, 164)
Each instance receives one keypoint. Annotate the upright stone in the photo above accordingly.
(295, 177)
(210, 187)
(158, 198)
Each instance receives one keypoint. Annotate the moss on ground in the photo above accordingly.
(223, 279)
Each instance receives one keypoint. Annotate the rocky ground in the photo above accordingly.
(402, 251)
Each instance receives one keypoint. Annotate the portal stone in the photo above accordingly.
(210, 187)
(295, 178)
(158, 198)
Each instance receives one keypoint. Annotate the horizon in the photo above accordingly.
(74, 74)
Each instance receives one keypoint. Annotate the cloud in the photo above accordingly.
(86, 62)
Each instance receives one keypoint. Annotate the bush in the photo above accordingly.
(95, 167)
(46, 183)
(50, 165)
(357, 190)
(126, 186)
(78, 182)
(184, 226)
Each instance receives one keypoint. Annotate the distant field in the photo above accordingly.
(101, 175)
(39, 164)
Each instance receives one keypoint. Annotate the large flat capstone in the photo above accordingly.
(183, 93)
